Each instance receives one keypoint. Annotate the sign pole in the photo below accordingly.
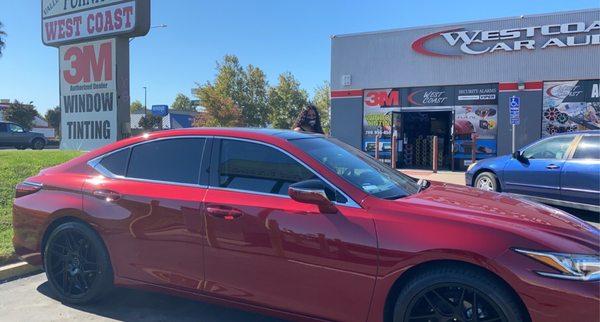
(514, 137)
(514, 103)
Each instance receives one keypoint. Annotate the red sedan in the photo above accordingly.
(300, 226)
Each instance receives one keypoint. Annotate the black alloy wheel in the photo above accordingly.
(453, 302)
(38, 144)
(77, 264)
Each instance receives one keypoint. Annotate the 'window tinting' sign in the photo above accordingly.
(88, 94)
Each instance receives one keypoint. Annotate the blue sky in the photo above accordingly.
(276, 36)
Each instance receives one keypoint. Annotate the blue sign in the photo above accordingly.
(514, 104)
(160, 110)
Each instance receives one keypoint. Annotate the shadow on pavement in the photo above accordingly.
(134, 305)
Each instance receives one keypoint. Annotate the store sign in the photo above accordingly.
(485, 94)
(571, 106)
(429, 96)
(62, 23)
(381, 98)
(477, 42)
(88, 94)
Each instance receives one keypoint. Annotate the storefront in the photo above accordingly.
(454, 82)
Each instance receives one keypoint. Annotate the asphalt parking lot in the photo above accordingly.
(30, 299)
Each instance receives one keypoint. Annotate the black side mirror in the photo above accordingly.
(519, 156)
(312, 192)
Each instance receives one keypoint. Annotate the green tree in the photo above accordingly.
(286, 100)
(255, 103)
(22, 114)
(136, 106)
(53, 118)
(219, 109)
(2, 36)
(150, 122)
(182, 103)
(323, 103)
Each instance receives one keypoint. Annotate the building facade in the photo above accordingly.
(457, 82)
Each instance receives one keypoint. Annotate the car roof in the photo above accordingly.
(238, 131)
(579, 132)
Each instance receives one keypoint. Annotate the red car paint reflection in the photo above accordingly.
(271, 253)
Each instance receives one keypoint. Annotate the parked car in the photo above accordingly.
(14, 135)
(301, 226)
(562, 170)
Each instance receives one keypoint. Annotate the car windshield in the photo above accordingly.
(359, 168)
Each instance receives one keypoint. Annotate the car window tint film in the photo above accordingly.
(588, 148)
(116, 163)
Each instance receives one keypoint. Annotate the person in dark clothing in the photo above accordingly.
(309, 120)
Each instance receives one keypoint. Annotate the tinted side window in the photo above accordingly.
(553, 148)
(3, 127)
(588, 148)
(173, 160)
(116, 163)
(259, 168)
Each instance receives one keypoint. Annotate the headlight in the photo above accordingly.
(571, 266)
(471, 166)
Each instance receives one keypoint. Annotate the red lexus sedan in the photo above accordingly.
(303, 227)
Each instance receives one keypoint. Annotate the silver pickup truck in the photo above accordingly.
(14, 135)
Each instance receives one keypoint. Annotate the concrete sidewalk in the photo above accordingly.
(442, 176)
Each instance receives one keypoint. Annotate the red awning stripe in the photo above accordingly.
(347, 93)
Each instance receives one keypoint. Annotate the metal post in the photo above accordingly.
(145, 98)
(473, 147)
(377, 147)
(394, 150)
(434, 158)
(514, 138)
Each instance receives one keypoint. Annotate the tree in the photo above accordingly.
(255, 103)
(150, 122)
(182, 103)
(53, 118)
(22, 114)
(323, 103)
(219, 109)
(286, 100)
(136, 106)
(2, 36)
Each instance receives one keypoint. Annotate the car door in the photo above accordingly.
(4, 140)
(538, 172)
(150, 199)
(580, 176)
(265, 248)
(17, 135)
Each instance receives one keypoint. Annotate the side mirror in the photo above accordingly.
(519, 156)
(312, 192)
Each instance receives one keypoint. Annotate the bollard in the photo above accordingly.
(394, 151)
(434, 157)
(377, 147)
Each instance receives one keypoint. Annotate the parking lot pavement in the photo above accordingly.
(30, 299)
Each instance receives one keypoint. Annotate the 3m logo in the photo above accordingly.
(89, 63)
(382, 98)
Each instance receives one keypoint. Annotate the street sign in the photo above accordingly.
(514, 107)
(160, 110)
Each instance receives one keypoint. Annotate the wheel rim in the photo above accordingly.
(485, 183)
(72, 263)
(37, 145)
(453, 302)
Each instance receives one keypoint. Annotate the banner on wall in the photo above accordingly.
(88, 94)
(441, 96)
(378, 106)
(570, 106)
(475, 113)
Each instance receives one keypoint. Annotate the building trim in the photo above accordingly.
(351, 93)
(514, 87)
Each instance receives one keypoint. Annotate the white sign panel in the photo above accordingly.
(60, 7)
(114, 19)
(88, 95)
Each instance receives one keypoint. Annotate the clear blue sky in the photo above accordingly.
(275, 35)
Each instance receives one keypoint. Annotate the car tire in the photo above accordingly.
(459, 289)
(77, 264)
(486, 181)
(38, 144)
(21, 147)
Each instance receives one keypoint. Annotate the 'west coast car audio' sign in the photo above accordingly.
(88, 97)
(93, 39)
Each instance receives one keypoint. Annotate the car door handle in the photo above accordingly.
(107, 195)
(552, 167)
(223, 212)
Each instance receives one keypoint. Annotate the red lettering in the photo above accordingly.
(77, 21)
(90, 21)
(50, 30)
(99, 22)
(61, 29)
(85, 64)
(383, 99)
(128, 11)
(118, 18)
(69, 24)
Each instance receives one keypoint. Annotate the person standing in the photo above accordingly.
(309, 120)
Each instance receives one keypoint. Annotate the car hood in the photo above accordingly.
(506, 212)
(497, 162)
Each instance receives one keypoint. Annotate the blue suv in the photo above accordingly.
(562, 170)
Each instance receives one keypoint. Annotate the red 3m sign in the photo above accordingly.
(382, 98)
(89, 63)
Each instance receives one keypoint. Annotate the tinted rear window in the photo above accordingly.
(173, 160)
(588, 148)
(116, 163)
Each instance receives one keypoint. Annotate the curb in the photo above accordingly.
(16, 270)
